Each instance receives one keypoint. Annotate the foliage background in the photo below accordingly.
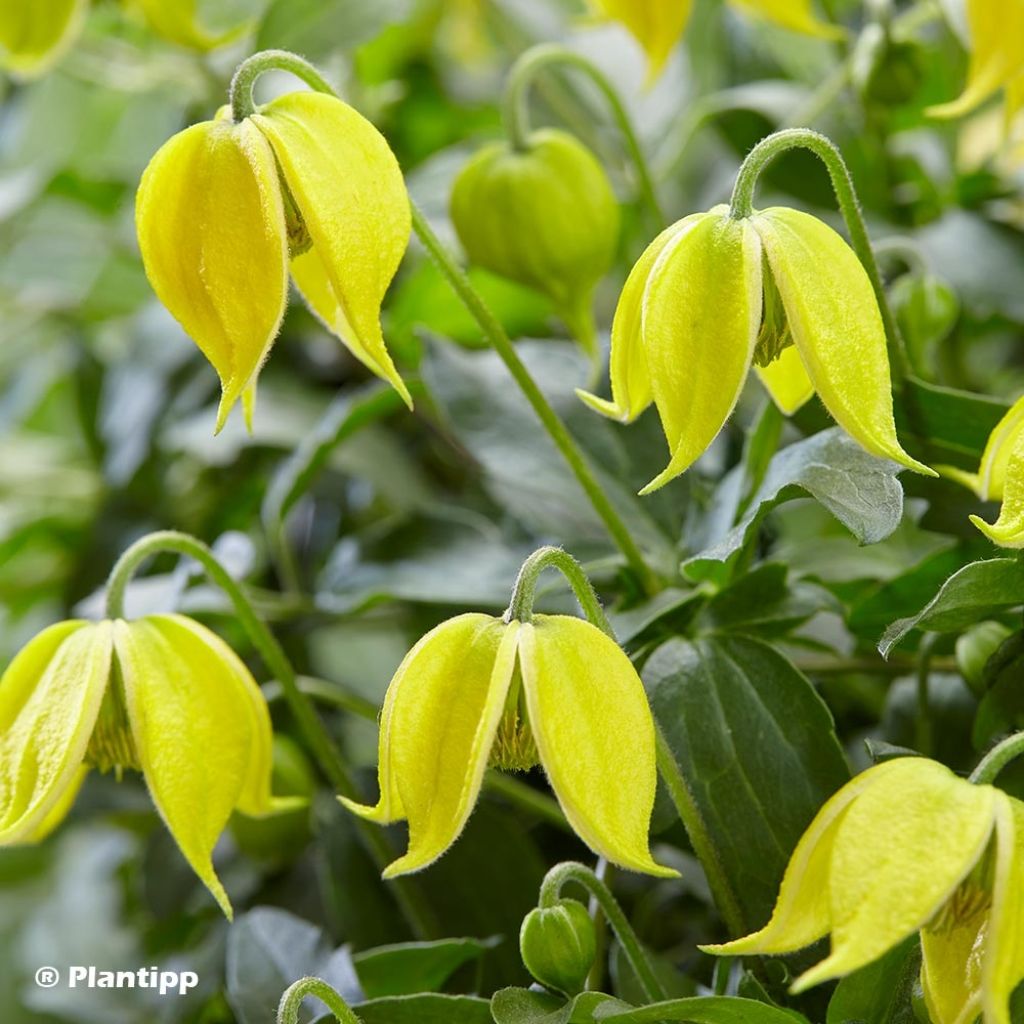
(106, 432)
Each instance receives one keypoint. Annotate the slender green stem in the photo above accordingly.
(923, 724)
(998, 758)
(318, 739)
(499, 341)
(291, 1001)
(700, 840)
(571, 871)
(521, 606)
(240, 91)
(742, 205)
(517, 111)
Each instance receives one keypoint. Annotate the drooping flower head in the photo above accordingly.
(161, 695)
(996, 31)
(714, 294)
(658, 25)
(226, 210)
(907, 847)
(1000, 477)
(34, 36)
(478, 691)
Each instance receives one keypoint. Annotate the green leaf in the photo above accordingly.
(318, 28)
(859, 489)
(425, 1009)
(976, 592)
(757, 747)
(1002, 706)
(881, 992)
(415, 967)
(525, 1006)
(703, 1010)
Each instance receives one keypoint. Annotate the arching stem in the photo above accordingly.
(521, 606)
(516, 110)
(318, 739)
(998, 758)
(291, 1001)
(240, 91)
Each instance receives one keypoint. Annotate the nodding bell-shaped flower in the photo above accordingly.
(658, 25)
(996, 29)
(1000, 477)
(225, 210)
(907, 847)
(34, 36)
(478, 691)
(714, 294)
(161, 695)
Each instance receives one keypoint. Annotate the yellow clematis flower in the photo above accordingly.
(224, 211)
(996, 29)
(161, 695)
(658, 25)
(713, 294)
(479, 691)
(34, 36)
(1000, 477)
(907, 847)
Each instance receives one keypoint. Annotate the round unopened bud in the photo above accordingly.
(974, 650)
(544, 216)
(558, 945)
(926, 309)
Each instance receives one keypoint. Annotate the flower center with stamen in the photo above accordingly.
(774, 335)
(972, 899)
(111, 745)
(514, 747)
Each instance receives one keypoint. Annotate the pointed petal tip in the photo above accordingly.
(664, 477)
(604, 406)
(1005, 538)
(377, 814)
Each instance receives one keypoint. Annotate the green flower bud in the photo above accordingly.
(558, 945)
(545, 217)
(974, 649)
(926, 310)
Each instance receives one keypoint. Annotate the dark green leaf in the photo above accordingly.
(757, 746)
(425, 1009)
(413, 967)
(881, 992)
(525, 1006)
(703, 1010)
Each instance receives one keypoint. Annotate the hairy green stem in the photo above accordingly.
(291, 1001)
(240, 90)
(742, 205)
(571, 871)
(517, 112)
(998, 758)
(523, 593)
(317, 738)
(556, 429)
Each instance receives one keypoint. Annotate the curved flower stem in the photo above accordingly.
(499, 341)
(291, 1001)
(678, 789)
(521, 606)
(319, 740)
(571, 871)
(742, 205)
(517, 115)
(240, 90)
(998, 758)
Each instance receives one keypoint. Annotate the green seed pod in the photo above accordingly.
(545, 217)
(558, 945)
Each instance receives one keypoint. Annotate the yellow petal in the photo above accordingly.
(595, 735)
(35, 35)
(802, 914)
(836, 326)
(60, 809)
(1003, 964)
(786, 380)
(657, 25)
(797, 15)
(211, 227)
(997, 53)
(178, 22)
(917, 815)
(1008, 433)
(440, 722)
(951, 971)
(50, 697)
(701, 314)
(1008, 530)
(195, 729)
(631, 386)
(351, 196)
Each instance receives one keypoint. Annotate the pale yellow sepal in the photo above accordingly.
(594, 734)
(35, 34)
(657, 25)
(1003, 966)
(701, 314)
(201, 730)
(211, 228)
(796, 15)
(350, 194)
(786, 381)
(836, 326)
(996, 30)
(1008, 530)
(50, 697)
(178, 22)
(995, 459)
